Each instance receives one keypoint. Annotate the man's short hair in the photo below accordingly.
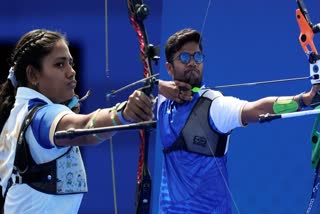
(179, 39)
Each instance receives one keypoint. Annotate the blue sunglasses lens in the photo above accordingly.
(186, 57)
(198, 57)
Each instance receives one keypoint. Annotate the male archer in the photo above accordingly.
(195, 134)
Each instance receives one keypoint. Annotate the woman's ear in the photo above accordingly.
(32, 75)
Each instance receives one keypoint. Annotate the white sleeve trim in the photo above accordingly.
(54, 125)
(240, 115)
(225, 112)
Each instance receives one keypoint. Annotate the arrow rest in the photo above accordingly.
(153, 52)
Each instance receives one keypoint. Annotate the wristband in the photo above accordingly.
(119, 107)
(121, 118)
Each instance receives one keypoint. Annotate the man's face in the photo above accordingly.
(190, 72)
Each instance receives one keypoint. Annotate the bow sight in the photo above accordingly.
(308, 30)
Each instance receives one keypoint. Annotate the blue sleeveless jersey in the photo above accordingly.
(190, 183)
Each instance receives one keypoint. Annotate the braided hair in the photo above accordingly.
(29, 50)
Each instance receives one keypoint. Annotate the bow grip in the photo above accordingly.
(315, 139)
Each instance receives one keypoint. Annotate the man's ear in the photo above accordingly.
(169, 67)
(32, 75)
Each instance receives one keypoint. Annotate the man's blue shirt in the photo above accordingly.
(190, 183)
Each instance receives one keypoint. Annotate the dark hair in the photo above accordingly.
(29, 50)
(179, 39)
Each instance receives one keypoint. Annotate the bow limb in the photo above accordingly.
(138, 12)
(315, 157)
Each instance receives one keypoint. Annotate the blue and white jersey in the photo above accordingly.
(192, 183)
(42, 149)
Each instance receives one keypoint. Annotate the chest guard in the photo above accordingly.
(63, 175)
(197, 135)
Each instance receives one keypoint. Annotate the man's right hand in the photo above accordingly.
(175, 90)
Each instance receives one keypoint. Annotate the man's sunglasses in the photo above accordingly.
(185, 57)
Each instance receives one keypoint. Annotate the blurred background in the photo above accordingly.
(244, 41)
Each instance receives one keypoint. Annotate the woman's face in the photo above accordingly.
(57, 78)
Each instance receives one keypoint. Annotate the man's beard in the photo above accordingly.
(192, 76)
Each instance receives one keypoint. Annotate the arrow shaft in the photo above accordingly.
(131, 85)
(263, 82)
